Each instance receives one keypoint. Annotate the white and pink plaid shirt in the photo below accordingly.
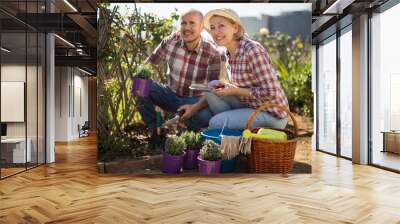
(251, 67)
(187, 67)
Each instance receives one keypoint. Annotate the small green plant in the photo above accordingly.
(145, 71)
(192, 139)
(210, 151)
(175, 145)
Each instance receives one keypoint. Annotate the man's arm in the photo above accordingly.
(160, 51)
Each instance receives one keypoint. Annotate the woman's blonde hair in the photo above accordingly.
(238, 35)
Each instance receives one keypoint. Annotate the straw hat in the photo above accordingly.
(224, 12)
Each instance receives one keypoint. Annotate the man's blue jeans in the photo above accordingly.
(229, 111)
(165, 98)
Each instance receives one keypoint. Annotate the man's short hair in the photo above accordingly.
(194, 11)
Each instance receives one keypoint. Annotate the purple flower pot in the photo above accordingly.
(141, 87)
(190, 159)
(172, 164)
(209, 167)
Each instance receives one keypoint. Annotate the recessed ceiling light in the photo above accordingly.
(5, 50)
(338, 6)
(70, 5)
(64, 40)
(86, 72)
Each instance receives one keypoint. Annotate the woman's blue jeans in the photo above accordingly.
(229, 110)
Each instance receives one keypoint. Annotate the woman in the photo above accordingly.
(253, 80)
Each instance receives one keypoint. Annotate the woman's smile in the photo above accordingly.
(219, 38)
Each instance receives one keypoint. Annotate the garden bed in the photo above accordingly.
(151, 162)
(153, 165)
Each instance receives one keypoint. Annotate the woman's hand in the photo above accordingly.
(223, 89)
(216, 84)
(233, 91)
(226, 91)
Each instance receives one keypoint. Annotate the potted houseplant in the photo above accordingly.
(210, 158)
(142, 81)
(173, 154)
(193, 144)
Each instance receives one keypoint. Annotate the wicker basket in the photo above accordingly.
(272, 156)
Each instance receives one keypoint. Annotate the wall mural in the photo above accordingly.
(224, 88)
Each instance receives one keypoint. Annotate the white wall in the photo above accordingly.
(71, 94)
(80, 110)
(13, 72)
(61, 103)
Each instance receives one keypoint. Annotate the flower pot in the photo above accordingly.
(172, 164)
(228, 166)
(190, 159)
(209, 167)
(141, 87)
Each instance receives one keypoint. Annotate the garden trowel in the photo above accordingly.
(175, 120)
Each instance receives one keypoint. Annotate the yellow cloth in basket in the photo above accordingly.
(266, 134)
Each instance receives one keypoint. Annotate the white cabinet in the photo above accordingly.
(18, 149)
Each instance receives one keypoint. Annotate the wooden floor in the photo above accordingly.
(5, 172)
(71, 191)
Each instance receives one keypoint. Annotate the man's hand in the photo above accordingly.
(176, 35)
(189, 110)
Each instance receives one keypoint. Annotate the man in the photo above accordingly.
(191, 59)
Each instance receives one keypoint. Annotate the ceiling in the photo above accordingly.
(328, 15)
(74, 22)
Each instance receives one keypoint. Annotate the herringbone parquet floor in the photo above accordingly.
(71, 191)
